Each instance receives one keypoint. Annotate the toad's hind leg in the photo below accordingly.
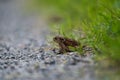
(63, 48)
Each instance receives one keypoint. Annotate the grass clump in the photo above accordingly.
(95, 23)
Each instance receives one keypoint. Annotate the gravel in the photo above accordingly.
(26, 55)
(40, 64)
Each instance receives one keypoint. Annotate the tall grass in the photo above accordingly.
(98, 20)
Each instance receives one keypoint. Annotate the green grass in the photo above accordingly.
(98, 20)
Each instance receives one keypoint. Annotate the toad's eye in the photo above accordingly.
(62, 39)
(55, 39)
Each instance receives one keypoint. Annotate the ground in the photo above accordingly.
(26, 55)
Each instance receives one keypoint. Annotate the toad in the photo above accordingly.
(64, 43)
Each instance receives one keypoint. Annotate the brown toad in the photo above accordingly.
(64, 43)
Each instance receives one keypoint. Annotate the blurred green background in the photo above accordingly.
(92, 22)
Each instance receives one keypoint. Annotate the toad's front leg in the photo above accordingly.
(63, 48)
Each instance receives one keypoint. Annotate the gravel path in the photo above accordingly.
(25, 55)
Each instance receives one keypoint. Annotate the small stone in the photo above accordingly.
(49, 61)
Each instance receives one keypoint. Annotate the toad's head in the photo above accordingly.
(58, 39)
